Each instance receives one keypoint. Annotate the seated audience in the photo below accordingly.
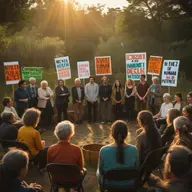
(13, 170)
(177, 171)
(161, 116)
(178, 103)
(189, 98)
(64, 151)
(169, 132)
(31, 137)
(187, 112)
(149, 139)
(7, 130)
(119, 154)
(8, 107)
(183, 129)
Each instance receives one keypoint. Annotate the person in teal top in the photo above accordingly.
(118, 154)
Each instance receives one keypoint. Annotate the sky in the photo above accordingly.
(108, 3)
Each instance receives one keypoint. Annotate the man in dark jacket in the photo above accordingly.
(105, 91)
(21, 97)
(32, 91)
(78, 96)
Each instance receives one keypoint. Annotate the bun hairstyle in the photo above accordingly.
(178, 162)
(119, 134)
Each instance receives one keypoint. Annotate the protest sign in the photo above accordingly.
(35, 72)
(135, 65)
(103, 65)
(170, 73)
(83, 69)
(63, 68)
(154, 65)
(12, 72)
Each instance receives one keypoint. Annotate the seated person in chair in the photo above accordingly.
(13, 170)
(64, 151)
(162, 115)
(7, 130)
(119, 154)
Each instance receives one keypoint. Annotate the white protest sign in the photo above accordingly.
(170, 73)
(83, 69)
(63, 68)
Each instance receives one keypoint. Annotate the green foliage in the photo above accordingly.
(4, 40)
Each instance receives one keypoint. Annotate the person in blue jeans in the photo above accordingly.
(13, 170)
(118, 154)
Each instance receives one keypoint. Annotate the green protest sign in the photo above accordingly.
(35, 72)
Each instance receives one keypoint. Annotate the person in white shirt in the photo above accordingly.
(91, 94)
(162, 115)
(8, 108)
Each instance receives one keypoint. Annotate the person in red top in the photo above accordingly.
(64, 151)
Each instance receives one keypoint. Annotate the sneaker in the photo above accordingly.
(109, 122)
(102, 122)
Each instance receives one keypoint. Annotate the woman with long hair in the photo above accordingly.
(183, 128)
(130, 99)
(13, 170)
(118, 154)
(178, 103)
(149, 139)
(169, 132)
(117, 99)
(178, 170)
(187, 112)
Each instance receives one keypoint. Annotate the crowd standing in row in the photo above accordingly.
(170, 124)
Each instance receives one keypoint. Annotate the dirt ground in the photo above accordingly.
(84, 134)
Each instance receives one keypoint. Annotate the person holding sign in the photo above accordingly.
(62, 99)
(142, 92)
(78, 97)
(32, 91)
(91, 93)
(130, 98)
(105, 91)
(155, 94)
(21, 97)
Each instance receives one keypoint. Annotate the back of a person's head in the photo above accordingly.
(119, 133)
(188, 109)
(31, 117)
(7, 117)
(6, 101)
(146, 122)
(178, 163)
(182, 127)
(12, 165)
(172, 115)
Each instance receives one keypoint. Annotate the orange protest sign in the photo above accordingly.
(12, 72)
(103, 65)
(154, 65)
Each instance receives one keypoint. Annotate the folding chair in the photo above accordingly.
(151, 163)
(67, 176)
(118, 175)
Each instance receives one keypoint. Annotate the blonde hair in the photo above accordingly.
(44, 82)
(130, 82)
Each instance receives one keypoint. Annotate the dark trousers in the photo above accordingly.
(160, 122)
(130, 114)
(41, 158)
(33, 103)
(92, 111)
(62, 109)
(118, 111)
(20, 111)
(141, 105)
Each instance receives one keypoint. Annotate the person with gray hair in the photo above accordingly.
(162, 115)
(154, 96)
(64, 151)
(45, 104)
(78, 96)
(13, 170)
(32, 90)
(183, 129)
